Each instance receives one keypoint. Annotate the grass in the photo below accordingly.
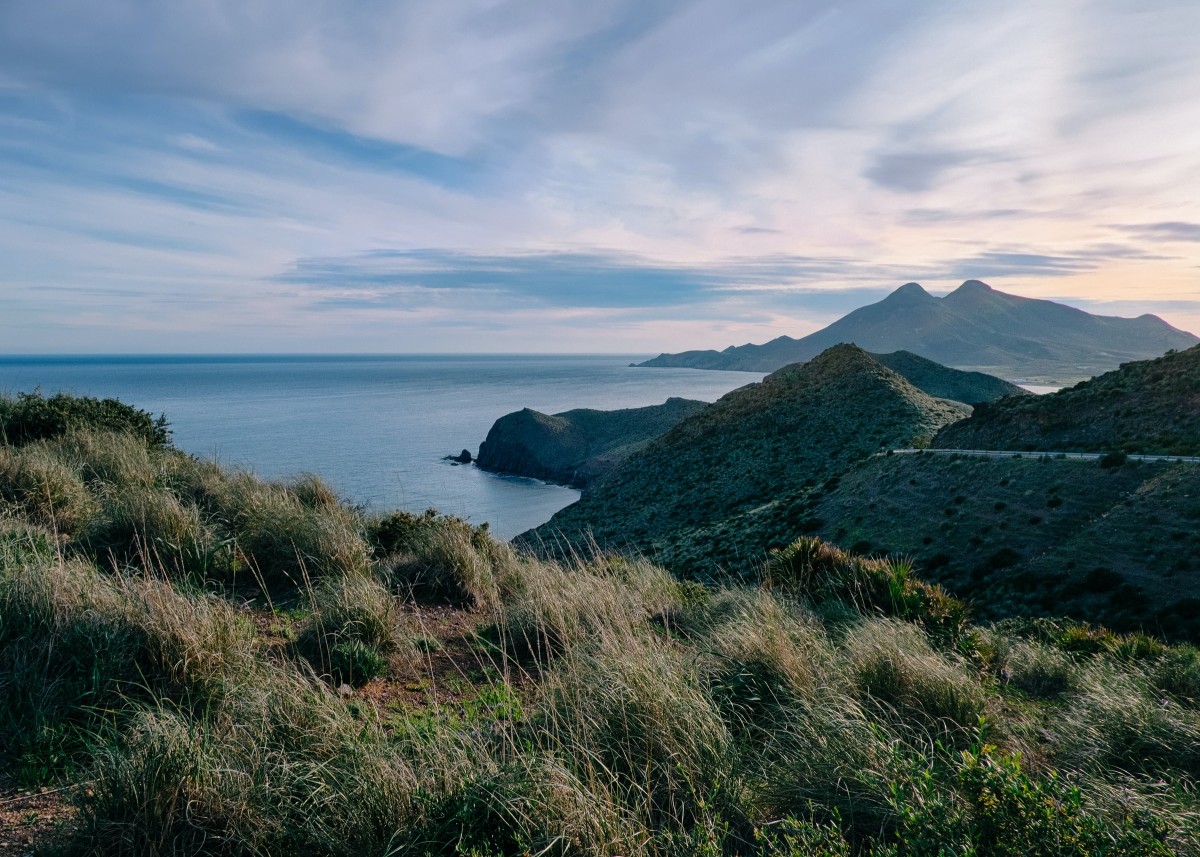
(836, 705)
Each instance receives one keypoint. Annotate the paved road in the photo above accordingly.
(1084, 456)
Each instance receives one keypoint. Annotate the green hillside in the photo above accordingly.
(760, 447)
(1151, 406)
(946, 383)
(197, 662)
(1033, 536)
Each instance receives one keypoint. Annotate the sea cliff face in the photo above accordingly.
(576, 447)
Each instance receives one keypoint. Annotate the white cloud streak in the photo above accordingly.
(167, 163)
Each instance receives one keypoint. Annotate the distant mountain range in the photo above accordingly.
(974, 327)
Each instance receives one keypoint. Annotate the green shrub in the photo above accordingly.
(999, 810)
(32, 416)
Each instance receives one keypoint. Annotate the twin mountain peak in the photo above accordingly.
(975, 327)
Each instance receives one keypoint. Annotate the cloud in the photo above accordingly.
(677, 163)
(913, 172)
(1164, 231)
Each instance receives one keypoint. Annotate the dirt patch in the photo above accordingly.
(33, 819)
(453, 665)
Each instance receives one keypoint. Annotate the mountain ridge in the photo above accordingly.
(974, 327)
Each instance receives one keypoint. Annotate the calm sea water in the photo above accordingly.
(375, 428)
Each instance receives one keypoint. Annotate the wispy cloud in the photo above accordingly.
(1165, 231)
(684, 171)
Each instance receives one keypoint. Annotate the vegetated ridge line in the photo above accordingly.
(997, 453)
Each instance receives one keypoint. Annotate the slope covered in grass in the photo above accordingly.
(407, 685)
(760, 446)
(1149, 407)
(1032, 536)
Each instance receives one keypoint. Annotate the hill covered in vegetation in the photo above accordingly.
(1032, 536)
(759, 447)
(1151, 406)
(944, 382)
(194, 661)
(578, 446)
(973, 327)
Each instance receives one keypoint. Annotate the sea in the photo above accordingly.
(375, 428)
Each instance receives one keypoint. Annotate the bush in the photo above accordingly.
(1112, 460)
(1000, 810)
(31, 416)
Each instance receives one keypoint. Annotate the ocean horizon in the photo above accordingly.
(376, 427)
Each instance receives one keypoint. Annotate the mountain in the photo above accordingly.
(973, 327)
(750, 456)
(576, 447)
(1150, 406)
(946, 383)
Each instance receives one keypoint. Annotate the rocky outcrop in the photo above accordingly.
(576, 447)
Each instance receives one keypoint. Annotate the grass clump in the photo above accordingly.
(76, 644)
(442, 558)
(355, 628)
(816, 570)
(895, 669)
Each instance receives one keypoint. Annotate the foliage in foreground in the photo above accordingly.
(838, 706)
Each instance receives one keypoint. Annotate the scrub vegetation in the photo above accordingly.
(195, 661)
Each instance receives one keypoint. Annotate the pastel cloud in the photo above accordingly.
(642, 175)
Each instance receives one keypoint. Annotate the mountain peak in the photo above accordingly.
(970, 287)
(909, 292)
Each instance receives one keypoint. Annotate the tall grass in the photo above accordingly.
(843, 707)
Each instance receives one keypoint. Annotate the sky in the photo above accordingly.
(628, 176)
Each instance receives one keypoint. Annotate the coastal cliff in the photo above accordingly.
(579, 446)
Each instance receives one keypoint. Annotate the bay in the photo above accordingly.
(376, 428)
